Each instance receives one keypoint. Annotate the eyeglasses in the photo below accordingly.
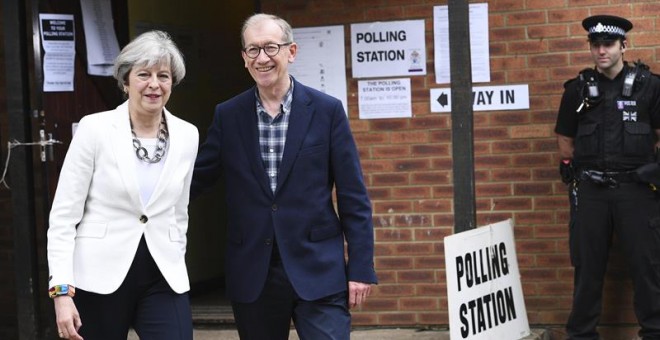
(271, 50)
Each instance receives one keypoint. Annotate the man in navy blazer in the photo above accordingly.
(283, 149)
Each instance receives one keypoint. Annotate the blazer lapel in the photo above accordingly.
(122, 146)
(246, 118)
(301, 116)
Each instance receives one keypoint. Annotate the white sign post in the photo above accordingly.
(385, 49)
(483, 284)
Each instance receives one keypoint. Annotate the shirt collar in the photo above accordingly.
(285, 106)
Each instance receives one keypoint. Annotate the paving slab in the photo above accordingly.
(358, 334)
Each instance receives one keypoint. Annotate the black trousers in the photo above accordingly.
(144, 301)
(269, 318)
(632, 211)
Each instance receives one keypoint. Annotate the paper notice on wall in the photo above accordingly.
(479, 43)
(100, 38)
(385, 98)
(59, 44)
(320, 60)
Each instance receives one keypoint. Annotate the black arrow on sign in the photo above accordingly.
(443, 99)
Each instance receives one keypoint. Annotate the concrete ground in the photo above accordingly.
(366, 334)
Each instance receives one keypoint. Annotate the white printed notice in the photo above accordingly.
(479, 53)
(384, 98)
(320, 62)
(387, 49)
(100, 38)
(483, 284)
(59, 43)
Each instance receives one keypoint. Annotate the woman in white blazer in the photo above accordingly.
(117, 235)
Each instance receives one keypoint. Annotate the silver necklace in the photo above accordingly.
(163, 136)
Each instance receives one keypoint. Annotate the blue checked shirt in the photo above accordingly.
(272, 135)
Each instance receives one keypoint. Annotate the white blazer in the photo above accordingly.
(98, 218)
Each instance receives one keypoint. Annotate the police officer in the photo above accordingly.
(607, 127)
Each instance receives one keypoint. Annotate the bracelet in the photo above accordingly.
(61, 290)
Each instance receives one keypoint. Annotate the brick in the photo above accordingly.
(507, 63)
(379, 193)
(433, 206)
(443, 220)
(527, 47)
(505, 5)
(388, 124)
(390, 319)
(381, 304)
(412, 192)
(384, 13)
(514, 146)
(412, 165)
(532, 189)
(532, 160)
(430, 150)
(533, 218)
(389, 179)
(436, 177)
(375, 166)
(497, 189)
(393, 235)
(410, 276)
(551, 231)
(492, 161)
(526, 18)
(429, 122)
(507, 34)
(390, 207)
(418, 304)
(398, 290)
(536, 246)
(435, 289)
(409, 137)
(429, 262)
(514, 203)
(490, 133)
(390, 151)
(394, 263)
(485, 218)
(513, 174)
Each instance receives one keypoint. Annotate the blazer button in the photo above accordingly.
(144, 219)
(274, 207)
(269, 242)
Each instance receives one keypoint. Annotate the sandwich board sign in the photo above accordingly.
(483, 284)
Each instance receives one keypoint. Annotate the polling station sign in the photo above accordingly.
(483, 284)
(385, 49)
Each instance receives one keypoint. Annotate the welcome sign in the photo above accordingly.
(483, 284)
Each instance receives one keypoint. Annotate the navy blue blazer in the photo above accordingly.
(319, 155)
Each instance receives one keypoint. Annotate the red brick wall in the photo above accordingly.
(407, 162)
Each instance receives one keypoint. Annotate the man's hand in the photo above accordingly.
(357, 293)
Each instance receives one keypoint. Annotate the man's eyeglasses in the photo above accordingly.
(271, 50)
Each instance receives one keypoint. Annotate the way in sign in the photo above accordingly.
(486, 97)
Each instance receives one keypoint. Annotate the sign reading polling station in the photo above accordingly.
(483, 284)
(384, 49)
